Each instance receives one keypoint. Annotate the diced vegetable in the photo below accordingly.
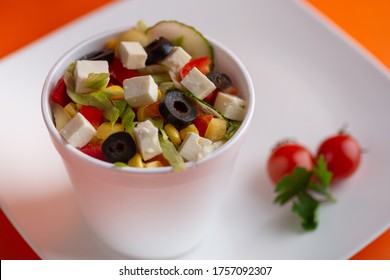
(202, 63)
(202, 122)
(191, 128)
(184, 35)
(216, 129)
(120, 73)
(59, 94)
(61, 116)
(106, 129)
(94, 150)
(93, 115)
(173, 134)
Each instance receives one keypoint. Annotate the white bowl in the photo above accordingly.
(150, 213)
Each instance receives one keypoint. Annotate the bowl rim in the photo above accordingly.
(66, 57)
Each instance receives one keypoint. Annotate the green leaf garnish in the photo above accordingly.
(291, 185)
(306, 207)
(321, 171)
(307, 190)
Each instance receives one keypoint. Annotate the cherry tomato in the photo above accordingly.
(342, 153)
(285, 157)
(202, 63)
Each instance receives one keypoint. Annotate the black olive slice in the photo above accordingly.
(220, 80)
(158, 50)
(105, 54)
(119, 147)
(178, 109)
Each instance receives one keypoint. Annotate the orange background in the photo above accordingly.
(368, 22)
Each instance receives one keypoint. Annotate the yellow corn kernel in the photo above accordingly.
(115, 91)
(216, 129)
(111, 43)
(95, 140)
(153, 164)
(141, 113)
(172, 133)
(136, 161)
(188, 129)
(106, 129)
(160, 95)
(71, 109)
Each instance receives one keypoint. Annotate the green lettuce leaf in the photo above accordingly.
(171, 154)
(99, 100)
(128, 119)
(97, 81)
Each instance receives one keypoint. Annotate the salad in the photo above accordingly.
(150, 97)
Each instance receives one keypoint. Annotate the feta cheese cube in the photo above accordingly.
(78, 131)
(140, 91)
(132, 55)
(85, 67)
(176, 59)
(146, 135)
(231, 106)
(195, 147)
(198, 84)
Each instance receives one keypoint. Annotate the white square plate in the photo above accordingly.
(309, 80)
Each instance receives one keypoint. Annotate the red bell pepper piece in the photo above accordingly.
(119, 72)
(153, 110)
(202, 63)
(202, 122)
(211, 97)
(59, 94)
(92, 114)
(93, 150)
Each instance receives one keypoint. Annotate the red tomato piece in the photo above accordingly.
(93, 150)
(202, 122)
(119, 72)
(285, 157)
(211, 97)
(342, 153)
(59, 94)
(92, 114)
(152, 111)
(202, 63)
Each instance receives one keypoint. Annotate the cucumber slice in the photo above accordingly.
(183, 35)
